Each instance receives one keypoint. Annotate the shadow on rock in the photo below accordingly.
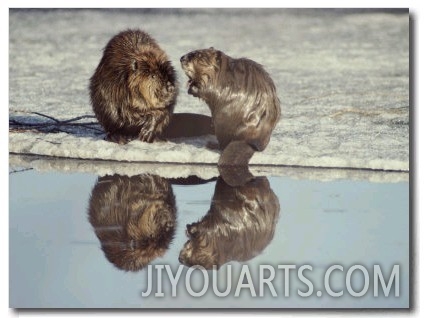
(81, 126)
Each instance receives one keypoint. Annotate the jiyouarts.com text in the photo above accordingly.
(276, 281)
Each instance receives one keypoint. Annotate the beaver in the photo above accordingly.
(133, 217)
(242, 98)
(240, 224)
(134, 88)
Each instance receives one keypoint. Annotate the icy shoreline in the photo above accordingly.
(62, 145)
(203, 171)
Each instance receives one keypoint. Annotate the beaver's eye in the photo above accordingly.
(153, 76)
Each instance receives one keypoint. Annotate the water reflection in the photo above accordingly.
(239, 225)
(133, 217)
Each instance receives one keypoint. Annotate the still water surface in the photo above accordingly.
(79, 240)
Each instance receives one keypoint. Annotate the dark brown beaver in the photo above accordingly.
(133, 90)
(242, 98)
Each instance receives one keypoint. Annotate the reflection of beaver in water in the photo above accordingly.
(239, 225)
(133, 90)
(133, 217)
(242, 99)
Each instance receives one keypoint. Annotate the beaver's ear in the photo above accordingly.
(212, 48)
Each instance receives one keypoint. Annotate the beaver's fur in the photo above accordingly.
(241, 96)
(134, 88)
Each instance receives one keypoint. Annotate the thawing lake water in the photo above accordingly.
(62, 257)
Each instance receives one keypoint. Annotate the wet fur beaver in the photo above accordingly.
(242, 98)
(134, 88)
